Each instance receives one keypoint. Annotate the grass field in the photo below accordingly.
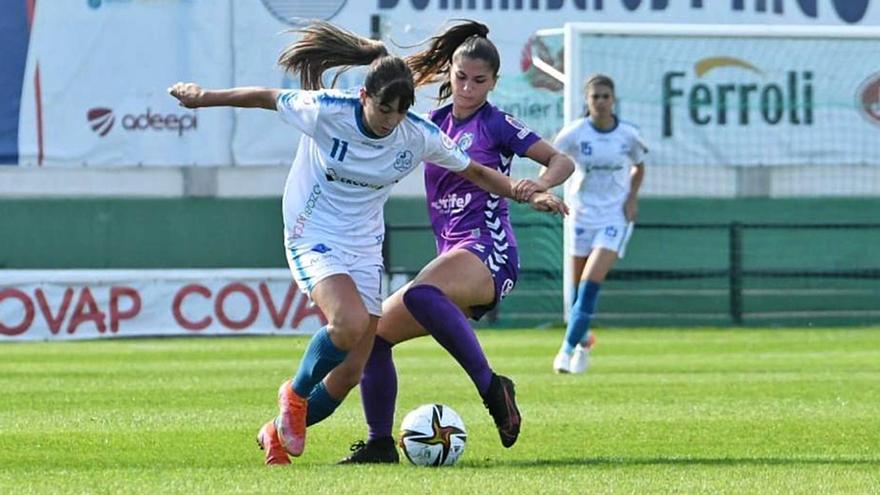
(661, 411)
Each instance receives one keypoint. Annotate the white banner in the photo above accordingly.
(88, 304)
(96, 79)
(93, 90)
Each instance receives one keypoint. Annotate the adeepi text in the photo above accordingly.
(158, 122)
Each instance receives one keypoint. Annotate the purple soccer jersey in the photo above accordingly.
(465, 216)
(459, 210)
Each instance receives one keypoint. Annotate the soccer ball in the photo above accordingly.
(432, 435)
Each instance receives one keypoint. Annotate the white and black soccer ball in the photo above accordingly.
(432, 435)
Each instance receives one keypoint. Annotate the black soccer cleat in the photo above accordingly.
(500, 400)
(376, 451)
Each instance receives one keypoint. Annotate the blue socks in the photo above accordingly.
(581, 314)
(321, 356)
(321, 405)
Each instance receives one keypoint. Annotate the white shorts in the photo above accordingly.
(613, 237)
(311, 263)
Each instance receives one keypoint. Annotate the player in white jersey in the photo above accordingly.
(603, 191)
(354, 148)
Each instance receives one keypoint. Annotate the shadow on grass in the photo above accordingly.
(677, 461)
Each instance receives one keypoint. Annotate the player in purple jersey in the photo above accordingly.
(477, 262)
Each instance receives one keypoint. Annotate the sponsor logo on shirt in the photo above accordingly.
(451, 204)
(332, 176)
(299, 226)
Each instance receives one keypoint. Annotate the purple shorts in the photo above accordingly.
(503, 263)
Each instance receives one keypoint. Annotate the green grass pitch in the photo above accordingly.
(660, 411)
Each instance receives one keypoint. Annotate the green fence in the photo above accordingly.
(787, 275)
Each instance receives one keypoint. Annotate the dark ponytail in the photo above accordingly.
(433, 64)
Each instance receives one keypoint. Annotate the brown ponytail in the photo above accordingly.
(434, 63)
(324, 46)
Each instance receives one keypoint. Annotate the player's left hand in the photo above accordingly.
(548, 202)
(524, 188)
(189, 95)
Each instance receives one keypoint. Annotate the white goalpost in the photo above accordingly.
(738, 110)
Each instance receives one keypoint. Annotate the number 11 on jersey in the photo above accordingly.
(339, 149)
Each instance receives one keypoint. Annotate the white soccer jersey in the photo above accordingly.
(600, 183)
(341, 177)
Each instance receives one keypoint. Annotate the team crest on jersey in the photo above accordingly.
(404, 161)
(465, 141)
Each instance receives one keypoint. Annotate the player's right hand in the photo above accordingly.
(524, 188)
(189, 95)
(548, 202)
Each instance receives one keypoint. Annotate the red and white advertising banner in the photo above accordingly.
(89, 304)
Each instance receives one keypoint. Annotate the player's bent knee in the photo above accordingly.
(347, 327)
(420, 295)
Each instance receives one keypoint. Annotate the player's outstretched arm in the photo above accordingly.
(191, 95)
(492, 181)
(495, 182)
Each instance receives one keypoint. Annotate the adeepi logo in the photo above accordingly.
(869, 98)
(101, 119)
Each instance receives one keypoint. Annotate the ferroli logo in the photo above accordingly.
(869, 98)
(101, 119)
(788, 99)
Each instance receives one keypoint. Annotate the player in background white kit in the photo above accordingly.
(603, 192)
(355, 146)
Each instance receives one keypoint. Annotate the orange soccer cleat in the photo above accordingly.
(268, 441)
(291, 420)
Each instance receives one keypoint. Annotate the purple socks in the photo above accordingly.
(448, 325)
(379, 390)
